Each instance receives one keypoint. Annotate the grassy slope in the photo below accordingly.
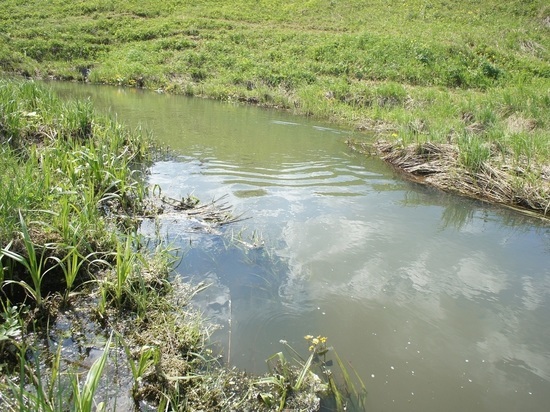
(473, 74)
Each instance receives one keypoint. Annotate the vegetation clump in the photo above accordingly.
(469, 76)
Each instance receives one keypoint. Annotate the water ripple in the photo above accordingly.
(325, 173)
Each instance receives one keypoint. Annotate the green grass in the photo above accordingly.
(66, 179)
(64, 171)
(464, 71)
(238, 47)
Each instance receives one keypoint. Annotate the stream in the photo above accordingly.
(438, 302)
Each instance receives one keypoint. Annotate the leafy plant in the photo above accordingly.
(34, 263)
(147, 357)
(71, 266)
(10, 328)
(290, 378)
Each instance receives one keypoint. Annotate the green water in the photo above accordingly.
(438, 302)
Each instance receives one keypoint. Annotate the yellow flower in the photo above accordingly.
(308, 337)
(315, 341)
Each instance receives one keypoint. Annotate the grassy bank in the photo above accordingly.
(472, 78)
(89, 317)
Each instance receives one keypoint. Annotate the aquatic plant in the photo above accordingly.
(54, 389)
(295, 381)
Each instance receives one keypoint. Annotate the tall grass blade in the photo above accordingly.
(2, 254)
(84, 398)
(358, 395)
(303, 372)
(33, 263)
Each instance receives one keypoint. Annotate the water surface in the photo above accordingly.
(438, 302)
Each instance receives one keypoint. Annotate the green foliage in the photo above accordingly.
(147, 357)
(59, 390)
(63, 169)
(474, 152)
(467, 45)
(10, 328)
(33, 260)
(384, 63)
(125, 261)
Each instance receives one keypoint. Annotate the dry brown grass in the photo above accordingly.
(438, 165)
